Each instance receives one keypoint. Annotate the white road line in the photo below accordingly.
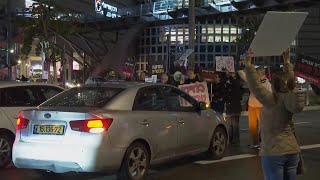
(312, 146)
(228, 158)
(297, 123)
(245, 156)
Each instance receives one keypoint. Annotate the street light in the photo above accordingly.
(19, 61)
(11, 51)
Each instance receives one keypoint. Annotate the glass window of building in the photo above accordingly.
(210, 57)
(204, 38)
(218, 49)
(210, 29)
(218, 39)
(233, 49)
(225, 49)
(218, 29)
(210, 48)
(233, 38)
(203, 48)
(202, 57)
(210, 38)
(180, 40)
(203, 30)
(226, 29)
(160, 49)
(233, 30)
(226, 38)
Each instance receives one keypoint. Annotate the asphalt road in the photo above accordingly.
(240, 163)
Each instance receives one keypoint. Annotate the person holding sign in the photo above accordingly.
(279, 147)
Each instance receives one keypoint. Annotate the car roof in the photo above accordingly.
(123, 84)
(4, 84)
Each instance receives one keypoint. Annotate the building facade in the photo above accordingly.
(167, 43)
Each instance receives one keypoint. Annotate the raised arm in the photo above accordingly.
(287, 66)
(242, 75)
(263, 95)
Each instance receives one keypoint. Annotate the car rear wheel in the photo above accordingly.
(219, 144)
(136, 163)
(6, 144)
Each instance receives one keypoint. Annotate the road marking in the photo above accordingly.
(245, 156)
(297, 123)
(312, 146)
(228, 158)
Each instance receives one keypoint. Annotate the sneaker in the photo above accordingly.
(252, 146)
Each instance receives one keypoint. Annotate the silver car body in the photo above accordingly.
(167, 134)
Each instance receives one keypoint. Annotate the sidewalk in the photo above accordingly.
(307, 108)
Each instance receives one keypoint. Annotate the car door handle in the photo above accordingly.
(181, 122)
(145, 123)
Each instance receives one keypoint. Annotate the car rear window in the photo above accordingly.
(83, 97)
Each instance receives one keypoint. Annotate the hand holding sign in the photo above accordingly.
(286, 56)
(248, 57)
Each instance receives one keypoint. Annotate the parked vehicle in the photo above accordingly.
(119, 127)
(15, 97)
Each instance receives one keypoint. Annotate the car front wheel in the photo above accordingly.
(219, 144)
(136, 163)
(6, 144)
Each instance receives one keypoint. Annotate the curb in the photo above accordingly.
(307, 108)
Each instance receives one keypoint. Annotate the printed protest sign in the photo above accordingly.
(277, 32)
(225, 63)
(308, 68)
(199, 91)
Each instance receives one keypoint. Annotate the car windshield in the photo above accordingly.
(83, 97)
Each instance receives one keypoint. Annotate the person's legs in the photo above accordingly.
(252, 117)
(272, 167)
(235, 129)
(229, 126)
(290, 168)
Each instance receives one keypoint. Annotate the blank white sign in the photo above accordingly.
(277, 32)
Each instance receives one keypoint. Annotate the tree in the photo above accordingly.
(47, 16)
(249, 25)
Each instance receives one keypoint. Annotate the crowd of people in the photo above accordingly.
(271, 106)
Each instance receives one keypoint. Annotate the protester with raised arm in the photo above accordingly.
(279, 147)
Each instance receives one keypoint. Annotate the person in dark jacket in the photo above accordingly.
(233, 97)
(217, 103)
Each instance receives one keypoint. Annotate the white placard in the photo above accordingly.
(152, 79)
(277, 32)
(225, 63)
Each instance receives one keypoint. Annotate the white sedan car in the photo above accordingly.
(119, 127)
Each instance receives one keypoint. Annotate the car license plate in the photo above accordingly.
(48, 129)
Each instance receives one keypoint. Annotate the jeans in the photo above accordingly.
(233, 121)
(282, 167)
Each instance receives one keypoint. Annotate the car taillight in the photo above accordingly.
(22, 123)
(91, 125)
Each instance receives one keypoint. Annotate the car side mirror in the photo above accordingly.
(203, 106)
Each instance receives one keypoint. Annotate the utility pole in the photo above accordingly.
(10, 14)
(192, 26)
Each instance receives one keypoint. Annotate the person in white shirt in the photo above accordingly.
(254, 109)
